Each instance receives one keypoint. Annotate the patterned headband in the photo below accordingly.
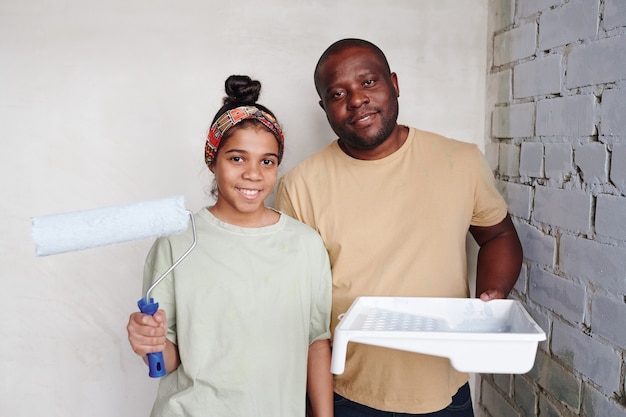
(230, 118)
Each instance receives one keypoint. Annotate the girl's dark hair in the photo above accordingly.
(241, 90)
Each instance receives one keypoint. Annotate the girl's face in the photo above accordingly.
(246, 169)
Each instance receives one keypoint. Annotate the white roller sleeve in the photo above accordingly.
(67, 232)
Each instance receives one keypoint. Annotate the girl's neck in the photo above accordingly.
(260, 218)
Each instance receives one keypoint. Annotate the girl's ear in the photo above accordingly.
(211, 167)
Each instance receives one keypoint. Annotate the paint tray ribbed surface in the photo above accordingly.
(498, 336)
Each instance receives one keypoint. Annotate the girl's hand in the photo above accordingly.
(146, 333)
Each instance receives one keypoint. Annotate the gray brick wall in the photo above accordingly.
(531, 159)
(583, 62)
(538, 77)
(556, 93)
(515, 120)
(570, 116)
(618, 167)
(610, 220)
(592, 160)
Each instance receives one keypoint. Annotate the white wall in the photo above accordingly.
(105, 103)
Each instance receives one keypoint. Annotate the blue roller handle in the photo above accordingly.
(156, 363)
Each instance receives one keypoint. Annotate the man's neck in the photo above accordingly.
(389, 146)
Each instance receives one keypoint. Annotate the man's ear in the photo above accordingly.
(396, 85)
(321, 105)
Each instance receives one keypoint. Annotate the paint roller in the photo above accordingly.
(78, 230)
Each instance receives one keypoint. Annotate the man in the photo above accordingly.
(393, 205)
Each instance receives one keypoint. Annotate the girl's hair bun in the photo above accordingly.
(242, 89)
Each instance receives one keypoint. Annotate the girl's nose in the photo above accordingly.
(252, 171)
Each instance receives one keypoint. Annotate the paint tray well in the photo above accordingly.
(498, 336)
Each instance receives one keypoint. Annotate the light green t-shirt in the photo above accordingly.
(242, 308)
(396, 226)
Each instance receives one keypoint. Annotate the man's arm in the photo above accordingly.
(499, 259)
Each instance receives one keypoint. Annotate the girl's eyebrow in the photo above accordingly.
(246, 152)
(236, 150)
(271, 154)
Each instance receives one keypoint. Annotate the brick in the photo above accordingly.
(515, 44)
(557, 380)
(614, 13)
(508, 162)
(583, 68)
(600, 264)
(521, 283)
(531, 159)
(558, 160)
(618, 167)
(525, 396)
(548, 408)
(592, 159)
(495, 403)
(604, 311)
(499, 86)
(538, 246)
(491, 155)
(518, 198)
(564, 297)
(566, 209)
(566, 116)
(540, 76)
(500, 14)
(598, 362)
(557, 27)
(503, 381)
(528, 8)
(513, 121)
(597, 404)
(612, 110)
(610, 217)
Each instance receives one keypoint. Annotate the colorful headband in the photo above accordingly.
(230, 118)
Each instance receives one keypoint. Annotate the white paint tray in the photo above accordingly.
(497, 336)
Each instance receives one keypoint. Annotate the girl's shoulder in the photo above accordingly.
(295, 224)
(302, 229)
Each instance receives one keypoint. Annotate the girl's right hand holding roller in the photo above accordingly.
(146, 333)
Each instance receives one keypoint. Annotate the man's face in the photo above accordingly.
(359, 96)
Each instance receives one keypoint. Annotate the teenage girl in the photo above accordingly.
(244, 319)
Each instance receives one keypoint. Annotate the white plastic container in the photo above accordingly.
(498, 336)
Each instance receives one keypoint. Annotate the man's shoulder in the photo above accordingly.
(432, 139)
(438, 137)
(312, 163)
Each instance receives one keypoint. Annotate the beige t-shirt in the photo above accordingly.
(395, 227)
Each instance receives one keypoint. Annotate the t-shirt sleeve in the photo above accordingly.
(489, 206)
(321, 287)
